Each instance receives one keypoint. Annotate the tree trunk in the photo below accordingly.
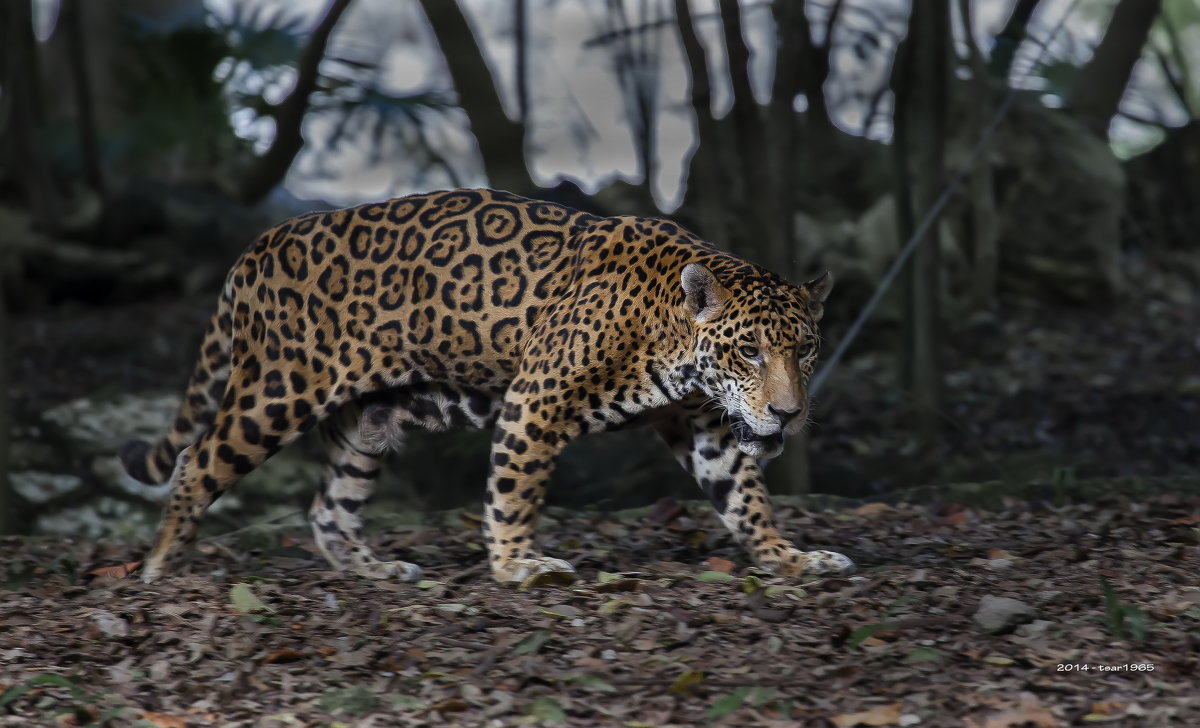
(1009, 39)
(1101, 83)
(501, 140)
(793, 42)
(8, 505)
(267, 171)
(760, 238)
(920, 84)
(71, 23)
(789, 473)
(705, 190)
(982, 229)
(29, 164)
(521, 57)
(819, 131)
(635, 49)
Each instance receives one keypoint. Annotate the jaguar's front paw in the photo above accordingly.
(156, 566)
(518, 570)
(395, 570)
(150, 574)
(794, 562)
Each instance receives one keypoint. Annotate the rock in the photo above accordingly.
(95, 498)
(997, 615)
(1047, 596)
(101, 518)
(110, 624)
(27, 451)
(37, 487)
(861, 251)
(96, 425)
(1035, 629)
(1060, 195)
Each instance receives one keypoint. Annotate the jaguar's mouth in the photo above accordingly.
(747, 437)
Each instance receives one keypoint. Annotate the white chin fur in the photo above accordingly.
(760, 449)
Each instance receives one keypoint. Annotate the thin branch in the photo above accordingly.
(615, 34)
(1180, 82)
(1159, 122)
(270, 169)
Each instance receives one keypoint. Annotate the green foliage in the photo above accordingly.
(351, 701)
(533, 642)
(546, 710)
(245, 600)
(19, 574)
(590, 682)
(201, 91)
(174, 96)
(860, 635)
(923, 654)
(78, 702)
(729, 703)
(756, 696)
(1063, 481)
(1125, 621)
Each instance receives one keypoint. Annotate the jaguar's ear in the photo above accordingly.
(703, 294)
(818, 290)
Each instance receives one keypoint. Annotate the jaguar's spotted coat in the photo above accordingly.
(481, 308)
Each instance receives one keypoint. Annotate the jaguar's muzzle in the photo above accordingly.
(748, 437)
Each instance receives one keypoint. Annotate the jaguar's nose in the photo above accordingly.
(784, 415)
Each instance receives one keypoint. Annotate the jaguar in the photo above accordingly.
(480, 308)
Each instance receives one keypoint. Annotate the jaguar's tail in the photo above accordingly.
(153, 463)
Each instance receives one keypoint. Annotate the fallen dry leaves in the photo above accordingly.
(660, 629)
(163, 720)
(883, 715)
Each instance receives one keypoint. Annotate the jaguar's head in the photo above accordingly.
(755, 348)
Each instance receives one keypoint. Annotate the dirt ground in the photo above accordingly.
(665, 626)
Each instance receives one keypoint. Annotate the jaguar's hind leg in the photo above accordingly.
(260, 414)
(230, 449)
(352, 467)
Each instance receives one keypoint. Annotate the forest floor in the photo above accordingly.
(261, 634)
(1023, 616)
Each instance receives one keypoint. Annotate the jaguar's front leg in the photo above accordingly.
(526, 442)
(733, 482)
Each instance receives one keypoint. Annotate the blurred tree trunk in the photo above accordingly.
(8, 506)
(636, 48)
(920, 84)
(745, 165)
(71, 24)
(749, 179)
(789, 473)
(792, 47)
(1096, 95)
(704, 187)
(982, 231)
(22, 121)
(521, 57)
(501, 140)
(1009, 38)
(267, 171)
(814, 64)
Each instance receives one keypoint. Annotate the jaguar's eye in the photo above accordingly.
(748, 351)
